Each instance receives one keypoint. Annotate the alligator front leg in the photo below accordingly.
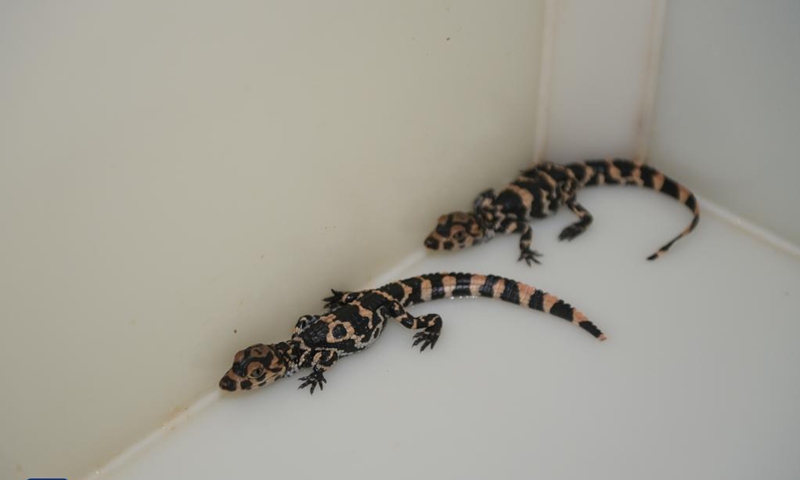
(518, 226)
(321, 361)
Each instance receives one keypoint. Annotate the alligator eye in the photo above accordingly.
(460, 236)
(351, 297)
(256, 372)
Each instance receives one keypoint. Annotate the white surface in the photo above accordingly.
(172, 171)
(728, 107)
(698, 379)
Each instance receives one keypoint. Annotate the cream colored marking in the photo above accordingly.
(589, 173)
(449, 283)
(461, 217)
(571, 175)
(498, 288)
(545, 199)
(578, 317)
(363, 312)
(524, 194)
(613, 171)
(549, 301)
(636, 176)
(547, 178)
(384, 295)
(426, 288)
(525, 292)
(683, 194)
(438, 237)
(658, 181)
(348, 328)
(475, 285)
(372, 316)
(407, 291)
(601, 179)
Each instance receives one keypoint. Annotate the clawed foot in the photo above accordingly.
(530, 256)
(334, 301)
(427, 337)
(314, 379)
(571, 232)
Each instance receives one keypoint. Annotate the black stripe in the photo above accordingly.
(463, 281)
(597, 165)
(510, 200)
(415, 283)
(626, 167)
(510, 292)
(591, 328)
(532, 185)
(529, 173)
(437, 287)
(562, 310)
(371, 301)
(647, 175)
(691, 202)
(487, 289)
(537, 300)
(670, 188)
(579, 170)
(395, 290)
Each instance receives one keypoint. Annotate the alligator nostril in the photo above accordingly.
(227, 383)
(431, 243)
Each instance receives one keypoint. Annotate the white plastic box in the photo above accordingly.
(180, 181)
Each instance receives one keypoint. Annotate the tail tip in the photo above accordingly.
(602, 337)
(657, 255)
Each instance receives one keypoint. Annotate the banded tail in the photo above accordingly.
(434, 286)
(627, 172)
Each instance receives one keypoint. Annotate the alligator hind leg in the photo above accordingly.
(525, 247)
(339, 299)
(584, 220)
(431, 325)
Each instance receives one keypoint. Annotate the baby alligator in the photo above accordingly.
(356, 319)
(538, 192)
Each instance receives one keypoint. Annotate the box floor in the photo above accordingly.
(699, 377)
